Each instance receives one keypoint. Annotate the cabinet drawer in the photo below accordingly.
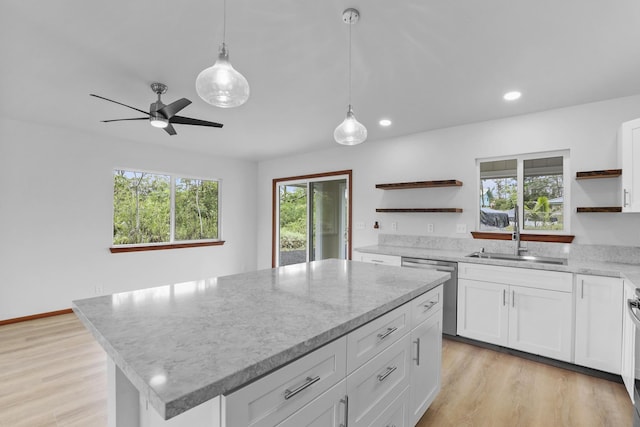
(328, 410)
(396, 414)
(276, 396)
(381, 259)
(373, 337)
(375, 385)
(426, 305)
(527, 277)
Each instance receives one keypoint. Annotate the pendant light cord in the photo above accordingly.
(350, 25)
(224, 21)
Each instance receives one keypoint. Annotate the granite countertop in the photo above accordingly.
(183, 344)
(630, 272)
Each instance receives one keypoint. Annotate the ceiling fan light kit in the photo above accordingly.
(350, 131)
(221, 85)
(161, 115)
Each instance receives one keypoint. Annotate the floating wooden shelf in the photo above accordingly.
(604, 209)
(422, 210)
(552, 238)
(607, 173)
(420, 184)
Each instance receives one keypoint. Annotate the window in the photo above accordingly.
(533, 183)
(150, 208)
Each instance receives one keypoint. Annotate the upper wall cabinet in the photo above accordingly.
(629, 154)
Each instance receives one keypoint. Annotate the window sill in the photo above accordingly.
(552, 238)
(157, 247)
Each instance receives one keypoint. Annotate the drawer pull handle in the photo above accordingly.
(346, 411)
(288, 394)
(387, 333)
(417, 359)
(389, 371)
(624, 197)
(377, 261)
(430, 304)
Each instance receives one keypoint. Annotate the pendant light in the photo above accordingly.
(221, 85)
(350, 131)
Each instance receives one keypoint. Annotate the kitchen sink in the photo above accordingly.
(528, 258)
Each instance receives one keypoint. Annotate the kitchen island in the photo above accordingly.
(174, 352)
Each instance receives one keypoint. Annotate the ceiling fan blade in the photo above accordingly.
(189, 121)
(120, 120)
(170, 130)
(172, 109)
(119, 103)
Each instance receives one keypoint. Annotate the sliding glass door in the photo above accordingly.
(311, 218)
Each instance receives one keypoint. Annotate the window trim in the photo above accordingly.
(530, 235)
(172, 244)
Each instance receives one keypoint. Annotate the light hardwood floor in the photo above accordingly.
(53, 373)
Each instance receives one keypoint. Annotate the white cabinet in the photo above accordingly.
(377, 258)
(629, 155)
(540, 322)
(525, 309)
(271, 399)
(328, 410)
(599, 311)
(396, 414)
(370, 339)
(375, 385)
(629, 350)
(426, 339)
(483, 313)
(386, 372)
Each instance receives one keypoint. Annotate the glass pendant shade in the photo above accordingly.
(350, 131)
(221, 85)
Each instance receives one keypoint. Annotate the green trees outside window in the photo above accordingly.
(142, 210)
(537, 181)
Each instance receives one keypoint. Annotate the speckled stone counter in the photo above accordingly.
(183, 344)
(630, 272)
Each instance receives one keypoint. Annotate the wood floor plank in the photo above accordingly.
(53, 374)
(482, 387)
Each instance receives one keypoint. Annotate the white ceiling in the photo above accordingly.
(425, 64)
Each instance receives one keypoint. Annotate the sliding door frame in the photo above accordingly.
(274, 206)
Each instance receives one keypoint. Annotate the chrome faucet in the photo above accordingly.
(516, 232)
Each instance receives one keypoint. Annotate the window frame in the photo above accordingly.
(172, 243)
(520, 159)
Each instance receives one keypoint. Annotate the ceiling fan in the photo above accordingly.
(161, 115)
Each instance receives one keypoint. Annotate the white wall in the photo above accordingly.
(56, 209)
(588, 131)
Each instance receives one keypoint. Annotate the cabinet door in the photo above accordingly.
(328, 410)
(629, 150)
(599, 322)
(426, 340)
(540, 322)
(629, 350)
(483, 311)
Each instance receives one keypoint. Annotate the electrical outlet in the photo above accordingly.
(98, 289)
(429, 228)
(461, 228)
(394, 226)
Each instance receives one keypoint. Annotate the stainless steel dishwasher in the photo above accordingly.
(450, 297)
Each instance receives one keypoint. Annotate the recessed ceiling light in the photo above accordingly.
(385, 122)
(512, 96)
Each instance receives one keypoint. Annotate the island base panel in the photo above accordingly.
(126, 408)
